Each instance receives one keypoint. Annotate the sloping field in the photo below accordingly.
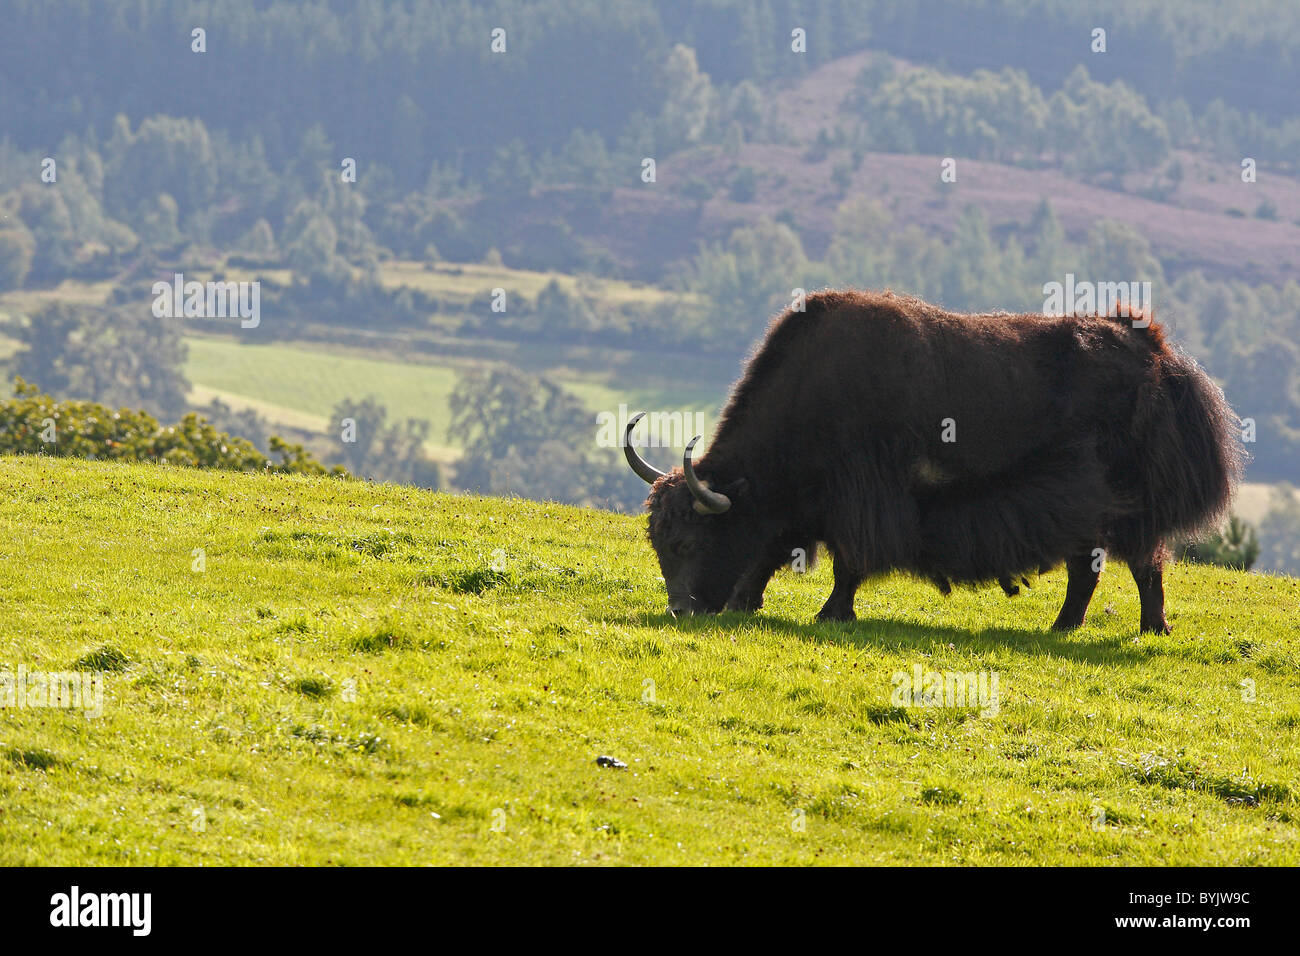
(303, 671)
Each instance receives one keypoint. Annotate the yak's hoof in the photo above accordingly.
(834, 614)
(1158, 627)
(1066, 624)
(745, 604)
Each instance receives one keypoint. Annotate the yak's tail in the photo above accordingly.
(1190, 453)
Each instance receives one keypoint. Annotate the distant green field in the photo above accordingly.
(453, 281)
(373, 674)
(463, 281)
(68, 292)
(312, 380)
(1254, 500)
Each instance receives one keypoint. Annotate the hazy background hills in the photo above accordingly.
(794, 145)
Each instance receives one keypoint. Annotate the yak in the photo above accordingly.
(963, 448)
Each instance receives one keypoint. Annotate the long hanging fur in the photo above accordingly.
(1105, 435)
(1016, 523)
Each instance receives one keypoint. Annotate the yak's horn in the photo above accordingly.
(706, 501)
(643, 470)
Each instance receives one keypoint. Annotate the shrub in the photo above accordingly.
(32, 423)
(1236, 546)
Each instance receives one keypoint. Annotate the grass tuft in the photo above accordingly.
(103, 658)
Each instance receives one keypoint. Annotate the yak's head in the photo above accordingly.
(704, 537)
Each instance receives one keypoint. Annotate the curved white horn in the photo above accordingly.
(643, 469)
(708, 502)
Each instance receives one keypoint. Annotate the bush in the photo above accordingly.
(1236, 547)
(32, 423)
(744, 185)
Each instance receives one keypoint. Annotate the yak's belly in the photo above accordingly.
(1048, 508)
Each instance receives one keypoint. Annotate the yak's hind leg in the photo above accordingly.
(1078, 591)
(1148, 573)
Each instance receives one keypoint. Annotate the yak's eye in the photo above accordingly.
(683, 548)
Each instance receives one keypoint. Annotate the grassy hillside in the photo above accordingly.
(349, 680)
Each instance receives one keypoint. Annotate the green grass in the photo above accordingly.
(374, 674)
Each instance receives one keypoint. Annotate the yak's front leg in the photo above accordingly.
(748, 592)
(1148, 573)
(839, 606)
(1078, 591)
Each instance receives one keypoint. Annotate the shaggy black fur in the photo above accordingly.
(1071, 434)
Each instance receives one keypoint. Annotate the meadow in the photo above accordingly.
(299, 385)
(317, 671)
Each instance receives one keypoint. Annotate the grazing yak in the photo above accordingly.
(962, 448)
